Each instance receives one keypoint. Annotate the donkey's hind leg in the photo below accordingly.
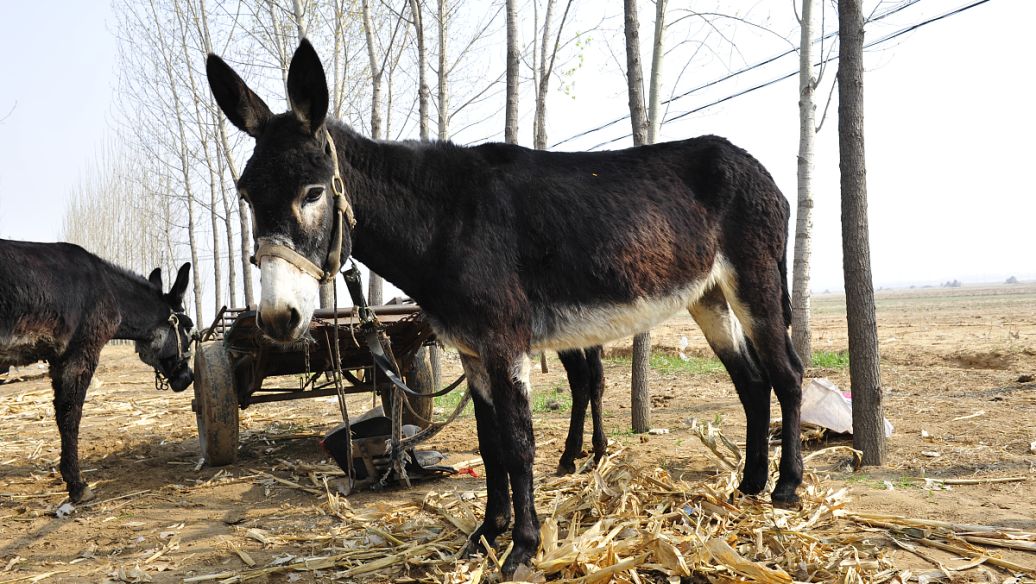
(596, 369)
(578, 372)
(727, 339)
(757, 302)
(586, 379)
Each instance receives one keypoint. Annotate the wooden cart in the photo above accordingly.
(234, 365)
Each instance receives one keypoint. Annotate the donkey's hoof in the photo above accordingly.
(474, 546)
(566, 467)
(751, 487)
(784, 493)
(81, 494)
(517, 557)
(785, 499)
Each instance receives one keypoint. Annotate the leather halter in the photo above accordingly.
(343, 212)
(161, 381)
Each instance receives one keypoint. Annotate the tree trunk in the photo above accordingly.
(801, 334)
(243, 216)
(376, 71)
(210, 163)
(228, 226)
(244, 213)
(375, 284)
(635, 74)
(300, 17)
(539, 129)
(422, 65)
(165, 48)
(864, 370)
(511, 109)
(444, 94)
(640, 398)
(245, 224)
(657, 53)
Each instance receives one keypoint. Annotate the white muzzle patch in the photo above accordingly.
(286, 287)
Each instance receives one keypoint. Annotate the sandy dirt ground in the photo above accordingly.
(957, 368)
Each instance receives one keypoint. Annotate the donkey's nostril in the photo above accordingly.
(282, 324)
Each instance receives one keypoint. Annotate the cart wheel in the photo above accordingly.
(419, 378)
(215, 405)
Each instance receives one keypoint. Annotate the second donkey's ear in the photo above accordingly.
(242, 106)
(307, 87)
(156, 279)
(175, 296)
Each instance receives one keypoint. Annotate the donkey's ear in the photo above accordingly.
(307, 87)
(175, 295)
(156, 279)
(243, 107)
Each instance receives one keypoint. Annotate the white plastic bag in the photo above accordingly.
(824, 405)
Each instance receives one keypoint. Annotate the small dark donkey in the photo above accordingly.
(510, 250)
(61, 304)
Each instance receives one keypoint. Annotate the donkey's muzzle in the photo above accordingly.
(182, 378)
(284, 325)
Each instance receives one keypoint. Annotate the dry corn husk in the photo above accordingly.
(630, 523)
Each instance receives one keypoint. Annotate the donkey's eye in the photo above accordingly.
(313, 194)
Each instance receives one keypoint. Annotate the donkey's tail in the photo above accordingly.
(785, 295)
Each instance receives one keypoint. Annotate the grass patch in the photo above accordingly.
(878, 483)
(669, 364)
(555, 399)
(620, 432)
(449, 402)
(676, 364)
(831, 359)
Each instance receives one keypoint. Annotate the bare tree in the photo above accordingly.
(513, 54)
(165, 47)
(443, 73)
(641, 392)
(657, 54)
(211, 164)
(801, 333)
(547, 56)
(423, 92)
(226, 154)
(864, 367)
(375, 285)
(114, 212)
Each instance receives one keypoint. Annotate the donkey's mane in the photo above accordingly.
(112, 267)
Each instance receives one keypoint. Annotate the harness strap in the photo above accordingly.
(289, 255)
(375, 343)
(161, 383)
(338, 185)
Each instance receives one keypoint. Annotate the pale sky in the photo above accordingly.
(949, 134)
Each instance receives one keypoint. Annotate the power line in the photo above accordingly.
(741, 71)
(871, 44)
(731, 75)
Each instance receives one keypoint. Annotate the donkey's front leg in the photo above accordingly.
(498, 501)
(70, 380)
(509, 382)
